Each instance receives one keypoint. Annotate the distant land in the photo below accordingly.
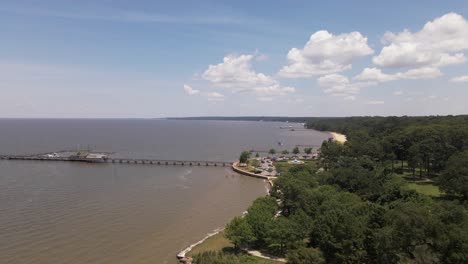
(254, 118)
(302, 119)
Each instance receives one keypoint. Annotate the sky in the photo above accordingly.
(152, 59)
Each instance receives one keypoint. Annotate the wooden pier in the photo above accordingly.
(122, 161)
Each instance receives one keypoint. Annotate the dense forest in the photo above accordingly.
(355, 205)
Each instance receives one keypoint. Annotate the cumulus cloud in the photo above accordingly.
(339, 85)
(211, 96)
(235, 73)
(376, 75)
(189, 90)
(422, 73)
(460, 79)
(325, 53)
(439, 43)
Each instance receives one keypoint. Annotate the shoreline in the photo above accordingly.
(340, 138)
(182, 255)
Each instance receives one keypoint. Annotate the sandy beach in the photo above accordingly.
(338, 137)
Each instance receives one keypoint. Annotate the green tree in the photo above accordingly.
(255, 163)
(282, 234)
(260, 217)
(239, 232)
(272, 151)
(340, 228)
(257, 155)
(308, 151)
(305, 256)
(454, 180)
(296, 150)
(244, 157)
(331, 151)
(285, 152)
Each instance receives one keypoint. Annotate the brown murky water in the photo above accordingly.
(53, 212)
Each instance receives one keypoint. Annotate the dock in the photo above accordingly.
(204, 163)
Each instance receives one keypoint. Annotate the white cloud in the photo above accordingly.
(235, 73)
(189, 90)
(459, 79)
(214, 96)
(376, 75)
(398, 93)
(375, 102)
(325, 53)
(339, 85)
(274, 90)
(439, 43)
(422, 73)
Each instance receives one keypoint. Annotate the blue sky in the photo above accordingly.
(192, 58)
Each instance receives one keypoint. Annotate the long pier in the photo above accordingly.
(122, 161)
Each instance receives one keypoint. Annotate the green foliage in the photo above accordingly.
(305, 256)
(285, 152)
(255, 163)
(330, 152)
(425, 143)
(257, 155)
(340, 227)
(239, 232)
(296, 150)
(260, 218)
(244, 157)
(211, 257)
(308, 151)
(454, 180)
(359, 175)
(272, 151)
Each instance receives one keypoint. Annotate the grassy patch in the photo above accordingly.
(283, 166)
(425, 188)
(219, 243)
(215, 243)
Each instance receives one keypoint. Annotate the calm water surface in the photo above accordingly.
(53, 212)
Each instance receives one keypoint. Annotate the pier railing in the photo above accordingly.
(121, 160)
